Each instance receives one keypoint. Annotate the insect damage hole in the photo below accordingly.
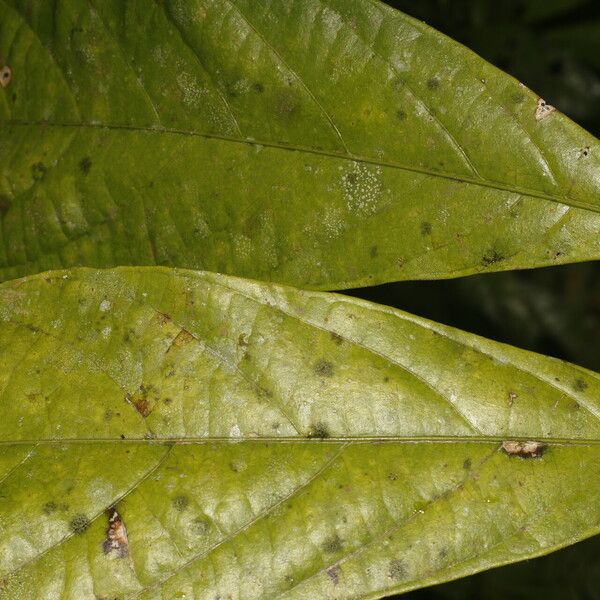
(529, 449)
(5, 76)
(543, 109)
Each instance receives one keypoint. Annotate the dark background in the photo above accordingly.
(553, 46)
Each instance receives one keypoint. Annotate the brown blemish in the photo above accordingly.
(200, 526)
(400, 115)
(433, 83)
(116, 535)
(243, 340)
(397, 570)
(183, 338)
(467, 464)
(323, 368)
(543, 109)
(334, 574)
(529, 449)
(79, 523)
(163, 318)
(332, 545)
(319, 430)
(580, 385)
(512, 396)
(585, 151)
(258, 87)
(5, 76)
(139, 400)
(373, 252)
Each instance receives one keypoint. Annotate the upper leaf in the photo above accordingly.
(169, 434)
(324, 143)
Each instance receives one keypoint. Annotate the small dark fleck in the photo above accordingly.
(334, 574)
(397, 569)
(38, 170)
(5, 204)
(373, 252)
(122, 436)
(258, 87)
(323, 368)
(49, 508)
(425, 228)
(332, 545)
(338, 339)
(580, 385)
(180, 503)
(392, 477)
(467, 464)
(400, 115)
(319, 430)
(79, 523)
(351, 177)
(491, 257)
(85, 165)
(433, 83)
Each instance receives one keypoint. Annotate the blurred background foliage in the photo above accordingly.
(553, 46)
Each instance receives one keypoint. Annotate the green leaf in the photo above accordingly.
(258, 441)
(323, 143)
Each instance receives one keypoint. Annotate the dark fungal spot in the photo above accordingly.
(332, 545)
(200, 526)
(49, 508)
(373, 251)
(323, 368)
(585, 151)
(580, 385)
(79, 523)
(467, 464)
(319, 430)
(85, 164)
(351, 177)
(425, 228)
(181, 502)
(400, 114)
(116, 535)
(38, 170)
(5, 204)
(518, 97)
(258, 87)
(396, 569)
(491, 257)
(433, 83)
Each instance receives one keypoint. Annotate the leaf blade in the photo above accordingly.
(301, 179)
(286, 470)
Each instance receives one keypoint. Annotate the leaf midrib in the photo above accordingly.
(484, 183)
(343, 439)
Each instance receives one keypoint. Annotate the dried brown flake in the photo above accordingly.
(528, 449)
(543, 109)
(116, 535)
(5, 76)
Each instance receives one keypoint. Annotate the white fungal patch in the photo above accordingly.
(543, 109)
(106, 331)
(105, 305)
(192, 92)
(362, 188)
